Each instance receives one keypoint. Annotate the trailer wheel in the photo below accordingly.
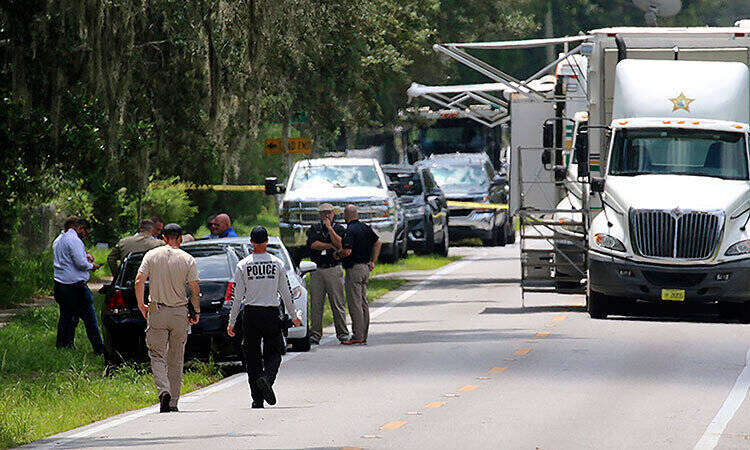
(597, 305)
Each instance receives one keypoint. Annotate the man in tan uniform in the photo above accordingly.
(141, 242)
(168, 268)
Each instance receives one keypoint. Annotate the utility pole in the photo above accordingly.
(549, 32)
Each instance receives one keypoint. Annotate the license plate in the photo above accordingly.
(673, 295)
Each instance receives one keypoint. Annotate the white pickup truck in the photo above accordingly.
(676, 187)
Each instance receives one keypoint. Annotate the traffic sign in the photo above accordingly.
(297, 146)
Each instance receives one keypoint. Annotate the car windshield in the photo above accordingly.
(469, 175)
(459, 138)
(212, 264)
(335, 176)
(407, 183)
(680, 152)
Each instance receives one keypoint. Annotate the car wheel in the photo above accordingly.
(597, 305)
(445, 244)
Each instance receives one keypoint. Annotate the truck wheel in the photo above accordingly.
(442, 248)
(390, 253)
(510, 235)
(745, 313)
(500, 236)
(597, 305)
(429, 239)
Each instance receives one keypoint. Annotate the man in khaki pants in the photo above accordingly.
(169, 269)
(361, 248)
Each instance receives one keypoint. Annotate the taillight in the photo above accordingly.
(115, 301)
(229, 291)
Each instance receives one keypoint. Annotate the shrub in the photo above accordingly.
(170, 202)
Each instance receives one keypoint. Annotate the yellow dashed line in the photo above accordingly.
(497, 370)
(483, 378)
(542, 334)
(468, 387)
(576, 305)
(559, 318)
(369, 436)
(522, 351)
(532, 341)
(510, 359)
(434, 405)
(396, 424)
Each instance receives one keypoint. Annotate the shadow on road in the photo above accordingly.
(534, 309)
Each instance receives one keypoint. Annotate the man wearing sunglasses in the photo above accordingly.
(220, 226)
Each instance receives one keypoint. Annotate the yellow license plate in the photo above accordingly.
(673, 295)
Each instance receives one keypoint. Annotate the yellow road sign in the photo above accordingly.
(297, 146)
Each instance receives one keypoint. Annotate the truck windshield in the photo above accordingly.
(459, 138)
(336, 176)
(471, 175)
(681, 152)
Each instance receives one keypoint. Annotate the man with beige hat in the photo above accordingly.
(324, 241)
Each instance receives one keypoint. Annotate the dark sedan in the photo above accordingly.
(124, 327)
(424, 205)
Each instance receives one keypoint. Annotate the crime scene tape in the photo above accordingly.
(210, 187)
(474, 205)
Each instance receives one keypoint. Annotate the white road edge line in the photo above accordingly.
(241, 377)
(711, 436)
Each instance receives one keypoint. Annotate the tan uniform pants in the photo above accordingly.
(166, 335)
(356, 298)
(328, 281)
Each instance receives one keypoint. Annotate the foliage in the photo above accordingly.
(171, 203)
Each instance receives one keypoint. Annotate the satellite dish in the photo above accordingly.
(658, 8)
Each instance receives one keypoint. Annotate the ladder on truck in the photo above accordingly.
(553, 256)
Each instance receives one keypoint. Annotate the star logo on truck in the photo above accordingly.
(681, 102)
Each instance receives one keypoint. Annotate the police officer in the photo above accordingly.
(324, 240)
(259, 279)
(143, 241)
(168, 268)
(361, 250)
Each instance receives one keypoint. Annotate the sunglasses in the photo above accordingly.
(212, 224)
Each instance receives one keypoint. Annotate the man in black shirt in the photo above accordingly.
(324, 241)
(361, 248)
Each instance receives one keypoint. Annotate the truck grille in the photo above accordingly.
(675, 234)
(307, 212)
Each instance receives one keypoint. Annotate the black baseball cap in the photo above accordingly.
(173, 229)
(259, 235)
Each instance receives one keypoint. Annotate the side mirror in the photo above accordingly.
(307, 267)
(560, 173)
(597, 185)
(582, 154)
(499, 180)
(546, 157)
(394, 186)
(548, 135)
(272, 187)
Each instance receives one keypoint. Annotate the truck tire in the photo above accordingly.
(444, 245)
(745, 313)
(429, 239)
(510, 234)
(390, 253)
(597, 305)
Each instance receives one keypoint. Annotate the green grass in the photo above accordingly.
(33, 277)
(46, 391)
(415, 262)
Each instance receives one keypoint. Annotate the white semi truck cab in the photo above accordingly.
(676, 187)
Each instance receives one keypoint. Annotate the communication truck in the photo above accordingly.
(675, 184)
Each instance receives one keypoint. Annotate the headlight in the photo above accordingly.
(740, 248)
(297, 292)
(610, 242)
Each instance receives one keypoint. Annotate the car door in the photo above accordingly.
(435, 201)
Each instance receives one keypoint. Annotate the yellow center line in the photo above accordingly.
(396, 424)
(532, 341)
(542, 334)
(468, 387)
(522, 351)
(510, 359)
(483, 378)
(434, 405)
(576, 305)
(497, 370)
(369, 436)
(559, 318)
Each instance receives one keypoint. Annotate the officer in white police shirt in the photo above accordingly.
(259, 279)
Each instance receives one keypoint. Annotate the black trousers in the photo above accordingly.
(261, 323)
(76, 303)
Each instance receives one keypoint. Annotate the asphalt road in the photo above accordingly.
(453, 361)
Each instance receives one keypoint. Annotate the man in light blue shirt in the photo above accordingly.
(72, 266)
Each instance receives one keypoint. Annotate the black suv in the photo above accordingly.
(425, 207)
(470, 178)
(123, 324)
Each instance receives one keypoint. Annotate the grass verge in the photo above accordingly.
(47, 391)
(415, 262)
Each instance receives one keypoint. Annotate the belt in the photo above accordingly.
(327, 266)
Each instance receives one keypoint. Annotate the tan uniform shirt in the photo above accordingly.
(141, 242)
(168, 270)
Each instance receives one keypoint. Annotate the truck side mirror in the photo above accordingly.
(546, 157)
(582, 154)
(272, 187)
(597, 184)
(548, 135)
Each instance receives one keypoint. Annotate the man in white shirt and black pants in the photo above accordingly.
(259, 279)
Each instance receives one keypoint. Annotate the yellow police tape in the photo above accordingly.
(210, 187)
(474, 205)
